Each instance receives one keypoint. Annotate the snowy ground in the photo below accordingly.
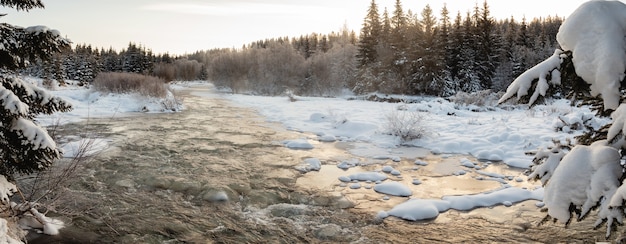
(492, 134)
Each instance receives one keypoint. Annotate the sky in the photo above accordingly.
(186, 26)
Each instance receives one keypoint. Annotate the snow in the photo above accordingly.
(298, 144)
(618, 127)
(393, 188)
(595, 35)
(510, 194)
(85, 147)
(368, 176)
(310, 164)
(544, 171)
(598, 51)
(494, 134)
(424, 209)
(588, 176)
(34, 134)
(598, 46)
(50, 226)
(595, 167)
(418, 209)
(6, 190)
(4, 233)
(523, 82)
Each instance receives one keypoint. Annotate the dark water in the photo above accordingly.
(216, 173)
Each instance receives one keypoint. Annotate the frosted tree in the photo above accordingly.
(588, 178)
(25, 147)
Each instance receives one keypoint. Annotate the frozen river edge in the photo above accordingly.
(228, 182)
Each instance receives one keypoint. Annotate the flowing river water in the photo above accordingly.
(218, 173)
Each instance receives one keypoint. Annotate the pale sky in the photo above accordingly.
(186, 26)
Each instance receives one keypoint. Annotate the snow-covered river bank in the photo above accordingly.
(220, 172)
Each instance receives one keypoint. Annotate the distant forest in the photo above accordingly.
(395, 52)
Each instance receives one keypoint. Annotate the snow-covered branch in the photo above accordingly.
(583, 179)
(595, 35)
(6, 190)
(541, 72)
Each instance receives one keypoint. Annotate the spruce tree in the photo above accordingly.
(468, 81)
(444, 86)
(370, 36)
(367, 54)
(398, 32)
(25, 147)
(386, 27)
(486, 46)
(399, 62)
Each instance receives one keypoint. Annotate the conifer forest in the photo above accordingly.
(397, 51)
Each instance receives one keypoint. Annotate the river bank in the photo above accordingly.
(218, 173)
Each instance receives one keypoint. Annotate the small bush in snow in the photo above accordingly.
(290, 95)
(405, 124)
(130, 82)
(337, 119)
(480, 98)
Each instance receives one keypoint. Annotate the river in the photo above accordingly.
(219, 173)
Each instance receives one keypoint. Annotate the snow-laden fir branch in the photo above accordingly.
(541, 71)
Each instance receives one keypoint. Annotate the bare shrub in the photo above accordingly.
(408, 125)
(228, 68)
(130, 82)
(172, 102)
(45, 187)
(336, 118)
(187, 69)
(165, 71)
(49, 190)
(479, 98)
(290, 95)
(49, 84)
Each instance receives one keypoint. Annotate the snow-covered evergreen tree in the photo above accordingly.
(487, 44)
(587, 177)
(25, 147)
(370, 36)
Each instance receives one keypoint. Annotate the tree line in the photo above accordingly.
(396, 51)
(84, 62)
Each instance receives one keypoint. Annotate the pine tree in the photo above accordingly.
(430, 62)
(398, 33)
(453, 60)
(25, 146)
(370, 36)
(386, 26)
(468, 81)
(444, 86)
(522, 37)
(324, 45)
(486, 47)
(398, 43)
(367, 55)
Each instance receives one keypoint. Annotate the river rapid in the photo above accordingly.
(219, 173)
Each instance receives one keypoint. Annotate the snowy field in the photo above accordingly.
(492, 134)
(487, 133)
